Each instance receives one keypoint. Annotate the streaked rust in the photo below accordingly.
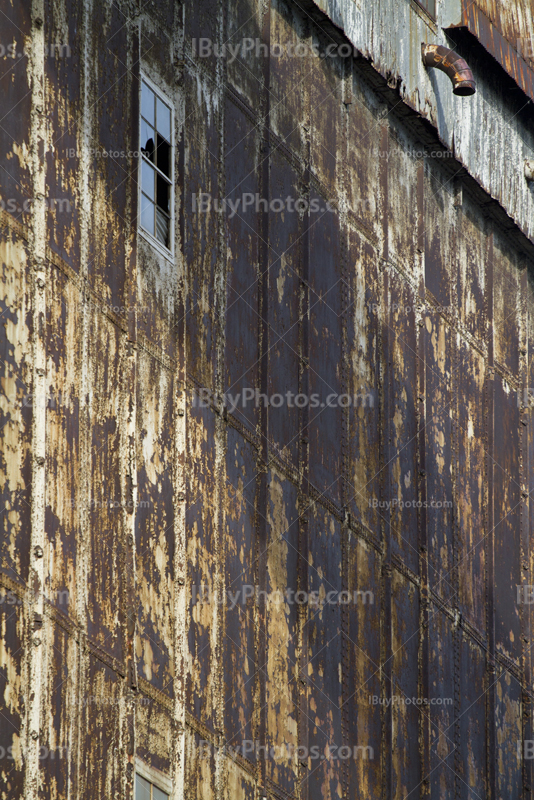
(503, 37)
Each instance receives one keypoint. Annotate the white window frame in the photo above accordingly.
(168, 253)
(154, 776)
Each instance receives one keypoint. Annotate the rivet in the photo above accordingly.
(39, 461)
(181, 412)
(40, 372)
(181, 581)
(40, 283)
(38, 22)
(180, 497)
(35, 736)
(38, 551)
(36, 642)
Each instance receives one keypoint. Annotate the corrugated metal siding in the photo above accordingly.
(514, 21)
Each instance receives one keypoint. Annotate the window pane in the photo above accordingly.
(147, 179)
(163, 123)
(158, 794)
(163, 156)
(162, 197)
(147, 214)
(147, 103)
(148, 140)
(430, 6)
(142, 788)
(162, 227)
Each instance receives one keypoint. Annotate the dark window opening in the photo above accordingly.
(156, 166)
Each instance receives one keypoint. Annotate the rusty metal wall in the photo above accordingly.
(166, 562)
(477, 130)
(515, 23)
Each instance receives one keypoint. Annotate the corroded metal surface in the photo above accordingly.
(280, 597)
(515, 23)
(515, 54)
(389, 35)
(452, 65)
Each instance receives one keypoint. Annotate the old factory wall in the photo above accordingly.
(267, 439)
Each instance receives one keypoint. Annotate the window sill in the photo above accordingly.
(167, 254)
(425, 15)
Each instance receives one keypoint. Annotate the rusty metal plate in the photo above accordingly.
(323, 764)
(282, 635)
(285, 237)
(240, 598)
(507, 499)
(154, 525)
(242, 321)
(325, 360)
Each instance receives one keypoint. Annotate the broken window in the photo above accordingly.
(156, 165)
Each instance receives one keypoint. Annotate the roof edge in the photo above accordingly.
(480, 26)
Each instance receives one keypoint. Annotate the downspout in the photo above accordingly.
(449, 62)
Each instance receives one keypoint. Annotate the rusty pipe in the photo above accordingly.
(449, 62)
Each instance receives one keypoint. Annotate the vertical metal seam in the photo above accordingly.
(524, 610)
(490, 534)
(424, 650)
(83, 546)
(386, 578)
(128, 448)
(180, 446)
(37, 647)
(220, 290)
(346, 66)
(262, 526)
(304, 509)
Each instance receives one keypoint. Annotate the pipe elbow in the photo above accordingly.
(449, 62)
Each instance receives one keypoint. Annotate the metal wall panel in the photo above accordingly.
(400, 289)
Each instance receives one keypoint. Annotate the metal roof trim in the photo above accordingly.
(480, 26)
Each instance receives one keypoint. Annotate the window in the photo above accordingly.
(429, 5)
(157, 162)
(145, 790)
